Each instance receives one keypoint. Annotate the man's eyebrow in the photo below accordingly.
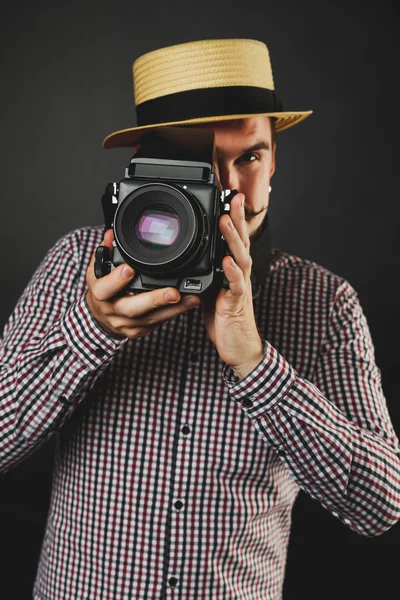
(258, 146)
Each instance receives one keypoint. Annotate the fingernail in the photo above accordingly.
(170, 297)
(127, 272)
(230, 224)
(191, 301)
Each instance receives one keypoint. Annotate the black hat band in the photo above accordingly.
(207, 102)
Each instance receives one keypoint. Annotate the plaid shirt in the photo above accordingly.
(172, 477)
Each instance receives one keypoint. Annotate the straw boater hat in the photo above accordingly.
(202, 82)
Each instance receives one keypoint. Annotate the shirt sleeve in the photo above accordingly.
(334, 433)
(51, 353)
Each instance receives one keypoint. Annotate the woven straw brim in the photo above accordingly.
(128, 137)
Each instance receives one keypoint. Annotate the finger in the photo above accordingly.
(236, 245)
(154, 318)
(235, 276)
(108, 239)
(145, 302)
(237, 215)
(108, 286)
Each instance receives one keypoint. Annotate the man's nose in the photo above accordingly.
(227, 177)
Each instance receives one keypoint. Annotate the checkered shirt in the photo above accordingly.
(172, 477)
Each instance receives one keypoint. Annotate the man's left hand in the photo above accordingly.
(230, 321)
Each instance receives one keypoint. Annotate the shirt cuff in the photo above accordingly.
(88, 341)
(265, 386)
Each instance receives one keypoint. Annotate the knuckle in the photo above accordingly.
(126, 311)
(93, 292)
(116, 322)
(227, 222)
(129, 312)
(157, 299)
(97, 294)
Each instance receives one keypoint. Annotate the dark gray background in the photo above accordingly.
(66, 83)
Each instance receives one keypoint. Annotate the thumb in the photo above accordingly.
(108, 239)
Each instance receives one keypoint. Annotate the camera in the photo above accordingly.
(165, 212)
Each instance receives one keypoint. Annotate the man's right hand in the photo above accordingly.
(126, 315)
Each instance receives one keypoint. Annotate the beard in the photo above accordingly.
(249, 215)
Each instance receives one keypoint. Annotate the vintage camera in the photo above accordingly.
(165, 214)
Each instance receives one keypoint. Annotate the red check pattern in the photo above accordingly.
(172, 478)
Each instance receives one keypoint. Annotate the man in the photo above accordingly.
(184, 436)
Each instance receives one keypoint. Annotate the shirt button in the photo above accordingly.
(185, 430)
(247, 403)
(63, 400)
(178, 505)
(193, 357)
(172, 581)
(99, 352)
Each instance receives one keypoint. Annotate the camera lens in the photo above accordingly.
(158, 228)
(161, 228)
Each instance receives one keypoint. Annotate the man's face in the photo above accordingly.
(246, 162)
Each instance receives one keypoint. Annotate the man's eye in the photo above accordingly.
(250, 157)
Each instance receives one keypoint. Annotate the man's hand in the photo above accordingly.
(230, 322)
(126, 315)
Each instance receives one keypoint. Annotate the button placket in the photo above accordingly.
(182, 468)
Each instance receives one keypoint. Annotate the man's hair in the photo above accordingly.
(272, 120)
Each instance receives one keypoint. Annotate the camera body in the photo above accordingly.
(165, 213)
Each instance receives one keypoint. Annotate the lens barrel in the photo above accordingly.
(161, 228)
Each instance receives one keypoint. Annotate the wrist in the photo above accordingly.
(99, 321)
(245, 368)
